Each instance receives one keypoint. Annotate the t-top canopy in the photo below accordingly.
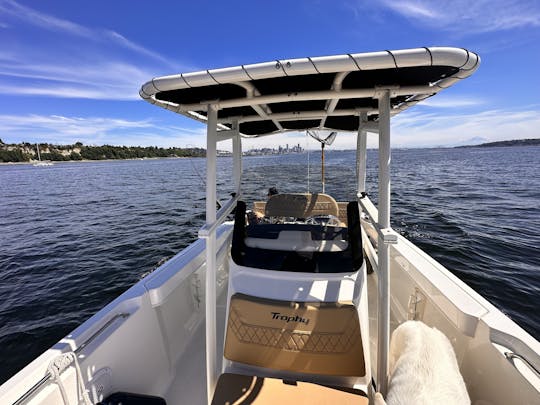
(328, 92)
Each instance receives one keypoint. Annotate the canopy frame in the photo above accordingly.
(364, 92)
(311, 93)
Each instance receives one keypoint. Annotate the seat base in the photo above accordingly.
(243, 389)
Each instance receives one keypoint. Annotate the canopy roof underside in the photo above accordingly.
(311, 93)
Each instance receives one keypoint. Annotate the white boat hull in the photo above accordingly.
(153, 342)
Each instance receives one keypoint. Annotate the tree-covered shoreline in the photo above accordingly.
(515, 142)
(27, 152)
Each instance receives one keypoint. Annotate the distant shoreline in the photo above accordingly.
(30, 153)
(201, 152)
(97, 160)
(515, 142)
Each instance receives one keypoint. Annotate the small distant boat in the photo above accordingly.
(41, 163)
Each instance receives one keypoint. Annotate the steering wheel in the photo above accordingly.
(326, 220)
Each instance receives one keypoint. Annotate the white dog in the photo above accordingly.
(423, 369)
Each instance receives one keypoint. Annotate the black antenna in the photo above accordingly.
(324, 141)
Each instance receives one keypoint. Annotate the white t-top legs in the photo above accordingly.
(211, 342)
(361, 156)
(208, 231)
(237, 160)
(383, 248)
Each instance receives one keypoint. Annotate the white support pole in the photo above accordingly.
(383, 248)
(237, 160)
(361, 157)
(211, 265)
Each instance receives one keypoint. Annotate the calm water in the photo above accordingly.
(76, 235)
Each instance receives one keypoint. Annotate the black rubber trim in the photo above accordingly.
(247, 73)
(213, 78)
(355, 234)
(238, 244)
(185, 81)
(154, 84)
(317, 70)
(430, 55)
(466, 61)
(394, 58)
(354, 61)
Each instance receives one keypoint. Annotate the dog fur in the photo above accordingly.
(423, 368)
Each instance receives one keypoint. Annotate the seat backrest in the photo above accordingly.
(314, 337)
(301, 205)
(259, 207)
(342, 206)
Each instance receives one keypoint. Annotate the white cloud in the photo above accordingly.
(52, 23)
(34, 17)
(431, 129)
(126, 43)
(469, 16)
(107, 80)
(67, 92)
(417, 129)
(67, 125)
(81, 62)
(444, 101)
(410, 129)
(96, 131)
(413, 9)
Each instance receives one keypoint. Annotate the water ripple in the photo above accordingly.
(76, 235)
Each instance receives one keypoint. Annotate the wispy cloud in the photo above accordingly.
(96, 131)
(126, 43)
(431, 129)
(67, 125)
(444, 101)
(69, 92)
(410, 129)
(34, 17)
(413, 9)
(73, 61)
(52, 23)
(103, 80)
(469, 16)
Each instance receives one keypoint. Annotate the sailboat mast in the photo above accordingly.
(38, 155)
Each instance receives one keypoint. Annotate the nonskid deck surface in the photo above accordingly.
(189, 384)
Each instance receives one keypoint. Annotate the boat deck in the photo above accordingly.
(189, 384)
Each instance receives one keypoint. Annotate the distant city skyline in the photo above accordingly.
(279, 150)
(71, 71)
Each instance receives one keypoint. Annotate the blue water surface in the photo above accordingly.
(76, 235)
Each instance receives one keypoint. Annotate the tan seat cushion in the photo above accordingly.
(259, 207)
(317, 338)
(301, 205)
(235, 389)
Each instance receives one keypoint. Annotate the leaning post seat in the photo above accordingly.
(243, 389)
(297, 301)
(309, 337)
(301, 205)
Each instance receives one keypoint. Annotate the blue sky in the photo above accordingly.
(70, 71)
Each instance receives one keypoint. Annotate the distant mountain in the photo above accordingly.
(515, 142)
